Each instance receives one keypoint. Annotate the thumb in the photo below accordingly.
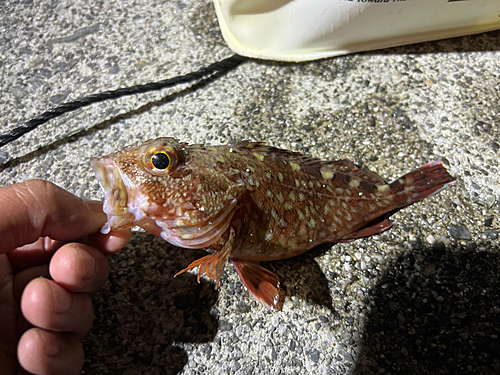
(38, 208)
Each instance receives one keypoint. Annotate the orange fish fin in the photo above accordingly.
(261, 283)
(420, 183)
(368, 231)
(213, 264)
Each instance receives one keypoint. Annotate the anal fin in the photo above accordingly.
(261, 283)
(213, 264)
(368, 231)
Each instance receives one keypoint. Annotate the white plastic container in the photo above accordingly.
(300, 30)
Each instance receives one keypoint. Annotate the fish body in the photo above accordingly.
(250, 202)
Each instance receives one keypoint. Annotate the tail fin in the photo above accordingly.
(427, 180)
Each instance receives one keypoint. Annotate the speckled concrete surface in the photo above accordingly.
(422, 298)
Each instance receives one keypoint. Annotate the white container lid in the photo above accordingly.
(301, 30)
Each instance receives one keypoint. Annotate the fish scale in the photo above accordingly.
(250, 202)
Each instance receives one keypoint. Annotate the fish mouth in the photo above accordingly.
(115, 195)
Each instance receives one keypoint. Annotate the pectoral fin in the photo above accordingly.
(261, 283)
(368, 231)
(213, 264)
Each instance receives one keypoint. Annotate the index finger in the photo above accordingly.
(38, 208)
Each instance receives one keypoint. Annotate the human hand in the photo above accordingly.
(46, 231)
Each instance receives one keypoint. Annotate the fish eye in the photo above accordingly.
(160, 161)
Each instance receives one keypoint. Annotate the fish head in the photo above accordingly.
(169, 189)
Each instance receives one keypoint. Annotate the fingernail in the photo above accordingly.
(88, 264)
(51, 347)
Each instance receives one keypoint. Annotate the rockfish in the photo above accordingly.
(250, 202)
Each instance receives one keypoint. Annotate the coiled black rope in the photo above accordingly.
(220, 66)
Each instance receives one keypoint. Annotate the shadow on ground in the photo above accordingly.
(437, 311)
(142, 311)
(302, 277)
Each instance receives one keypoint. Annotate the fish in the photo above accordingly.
(251, 202)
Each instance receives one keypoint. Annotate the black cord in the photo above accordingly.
(220, 66)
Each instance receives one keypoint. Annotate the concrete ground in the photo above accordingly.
(423, 298)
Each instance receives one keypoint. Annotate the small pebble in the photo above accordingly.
(314, 355)
(3, 157)
(459, 232)
(491, 233)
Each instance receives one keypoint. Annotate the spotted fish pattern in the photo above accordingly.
(251, 202)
